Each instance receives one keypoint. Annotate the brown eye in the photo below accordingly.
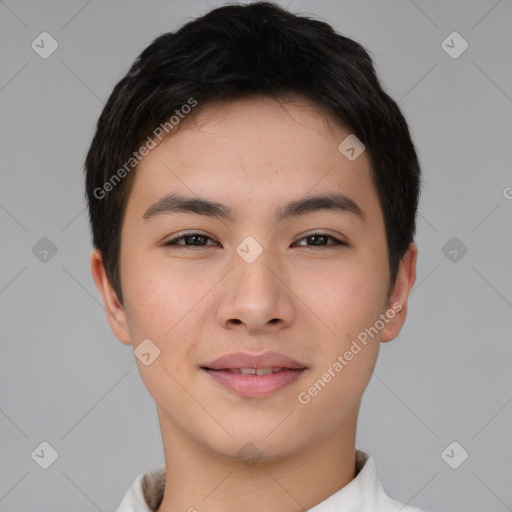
(190, 239)
(320, 240)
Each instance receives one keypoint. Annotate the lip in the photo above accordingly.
(245, 360)
(254, 386)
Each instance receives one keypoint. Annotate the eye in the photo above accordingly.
(196, 239)
(318, 240)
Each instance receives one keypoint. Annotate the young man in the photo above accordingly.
(252, 195)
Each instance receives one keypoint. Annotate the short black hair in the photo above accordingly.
(237, 51)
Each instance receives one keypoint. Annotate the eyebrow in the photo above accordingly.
(176, 203)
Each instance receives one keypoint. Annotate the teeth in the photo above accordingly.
(254, 371)
(266, 371)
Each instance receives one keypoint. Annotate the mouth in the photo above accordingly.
(253, 371)
(269, 362)
(251, 376)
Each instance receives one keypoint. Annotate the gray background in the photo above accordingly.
(66, 380)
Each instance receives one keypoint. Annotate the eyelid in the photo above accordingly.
(338, 241)
(322, 232)
(184, 234)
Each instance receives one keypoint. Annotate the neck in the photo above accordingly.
(199, 479)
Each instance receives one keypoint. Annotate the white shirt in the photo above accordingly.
(362, 494)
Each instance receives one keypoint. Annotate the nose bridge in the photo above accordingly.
(253, 294)
(252, 274)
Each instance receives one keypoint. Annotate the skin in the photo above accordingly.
(308, 302)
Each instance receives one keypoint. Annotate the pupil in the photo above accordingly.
(317, 238)
(196, 237)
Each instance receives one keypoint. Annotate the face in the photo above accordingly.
(253, 275)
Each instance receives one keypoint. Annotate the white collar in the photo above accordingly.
(362, 494)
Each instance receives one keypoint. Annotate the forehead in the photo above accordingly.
(254, 152)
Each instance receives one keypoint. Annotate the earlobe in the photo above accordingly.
(396, 310)
(116, 315)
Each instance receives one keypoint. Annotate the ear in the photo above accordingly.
(116, 315)
(397, 304)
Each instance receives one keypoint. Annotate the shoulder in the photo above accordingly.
(396, 506)
(364, 493)
(382, 501)
(146, 492)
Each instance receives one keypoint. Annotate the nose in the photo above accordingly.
(254, 296)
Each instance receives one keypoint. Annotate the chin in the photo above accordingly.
(252, 447)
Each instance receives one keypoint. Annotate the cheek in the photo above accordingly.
(160, 297)
(333, 392)
(344, 297)
(349, 302)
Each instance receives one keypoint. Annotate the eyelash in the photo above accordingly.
(174, 241)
